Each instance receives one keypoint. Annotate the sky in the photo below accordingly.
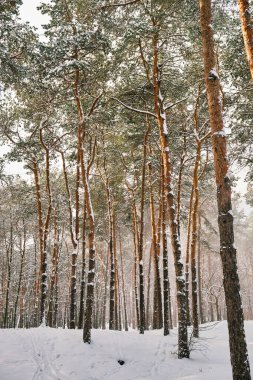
(29, 12)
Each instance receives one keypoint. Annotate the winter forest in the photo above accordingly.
(126, 235)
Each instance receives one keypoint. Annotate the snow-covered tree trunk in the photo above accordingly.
(123, 285)
(91, 244)
(75, 243)
(112, 276)
(53, 283)
(9, 257)
(167, 317)
(142, 325)
(115, 274)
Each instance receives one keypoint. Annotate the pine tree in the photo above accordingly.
(238, 347)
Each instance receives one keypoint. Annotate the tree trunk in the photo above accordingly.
(238, 347)
(136, 242)
(183, 349)
(72, 306)
(195, 316)
(91, 244)
(179, 183)
(40, 229)
(82, 287)
(44, 279)
(115, 274)
(247, 31)
(22, 261)
(105, 290)
(147, 314)
(142, 325)
(55, 258)
(123, 285)
(112, 302)
(201, 317)
(187, 257)
(112, 285)
(9, 253)
(166, 286)
(157, 305)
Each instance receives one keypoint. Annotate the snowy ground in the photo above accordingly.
(47, 354)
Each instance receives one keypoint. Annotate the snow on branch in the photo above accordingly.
(120, 4)
(174, 104)
(134, 109)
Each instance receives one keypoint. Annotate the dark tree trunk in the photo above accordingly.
(115, 274)
(82, 287)
(166, 283)
(9, 261)
(22, 261)
(201, 317)
(148, 287)
(123, 286)
(105, 290)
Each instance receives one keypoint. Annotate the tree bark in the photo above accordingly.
(247, 31)
(82, 287)
(40, 229)
(115, 274)
(157, 305)
(183, 349)
(167, 318)
(201, 316)
(91, 245)
(44, 277)
(238, 347)
(55, 258)
(123, 285)
(187, 257)
(9, 254)
(22, 261)
(142, 325)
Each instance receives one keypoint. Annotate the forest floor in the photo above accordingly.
(59, 354)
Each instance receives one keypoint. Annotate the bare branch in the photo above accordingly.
(144, 61)
(94, 104)
(10, 138)
(93, 153)
(206, 136)
(61, 137)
